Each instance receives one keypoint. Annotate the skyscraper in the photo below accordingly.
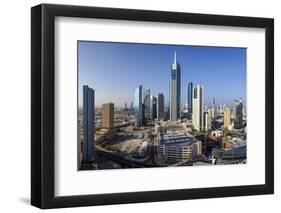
(139, 105)
(146, 102)
(238, 114)
(88, 124)
(197, 115)
(153, 103)
(207, 120)
(175, 90)
(214, 109)
(160, 107)
(214, 113)
(227, 118)
(213, 101)
(108, 115)
(190, 99)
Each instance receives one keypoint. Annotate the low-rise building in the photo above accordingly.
(178, 147)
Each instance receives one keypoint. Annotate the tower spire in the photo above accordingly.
(175, 57)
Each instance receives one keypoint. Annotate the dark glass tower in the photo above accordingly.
(88, 124)
(160, 107)
(153, 103)
(190, 99)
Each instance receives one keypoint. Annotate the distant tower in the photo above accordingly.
(146, 102)
(175, 90)
(139, 106)
(190, 99)
(214, 113)
(153, 112)
(197, 115)
(160, 107)
(213, 101)
(238, 114)
(108, 115)
(227, 117)
(207, 120)
(213, 110)
(88, 124)
(125, 106)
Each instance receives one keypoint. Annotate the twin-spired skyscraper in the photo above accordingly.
(175, 90)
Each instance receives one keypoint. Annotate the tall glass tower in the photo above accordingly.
(160, 106)
(190, 99)
(139, 105)
(146, 102)
(88, 124)
(175, 90)
(153, 103)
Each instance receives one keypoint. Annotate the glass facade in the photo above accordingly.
(175, 90)
(160, 106)
(190, 99)
(146, 102)
(88, 124)
(139, 106)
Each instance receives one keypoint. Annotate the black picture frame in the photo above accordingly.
(43, 105)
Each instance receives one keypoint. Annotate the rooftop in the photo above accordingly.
(172, 139)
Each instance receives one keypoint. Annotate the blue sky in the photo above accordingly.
(115, 70)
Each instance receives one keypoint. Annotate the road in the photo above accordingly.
(122, 161)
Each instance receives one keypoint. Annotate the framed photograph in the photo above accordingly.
(139, 106)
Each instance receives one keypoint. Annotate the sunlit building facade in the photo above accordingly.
(108, 115)
(197, 115)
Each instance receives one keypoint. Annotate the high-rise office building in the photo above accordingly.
(175, 90)
(207, 120)
(213, 101)
(88, 124)
(146, 102)
(108, 115)
(139, 106)
(197, 115)
(238, 114)
(214, 113)
(153, 103)
(190, 99)
(160, 107)
(213, 109)
(227, 118)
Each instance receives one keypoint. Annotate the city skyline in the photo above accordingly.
(205, 65)
(150, 134)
